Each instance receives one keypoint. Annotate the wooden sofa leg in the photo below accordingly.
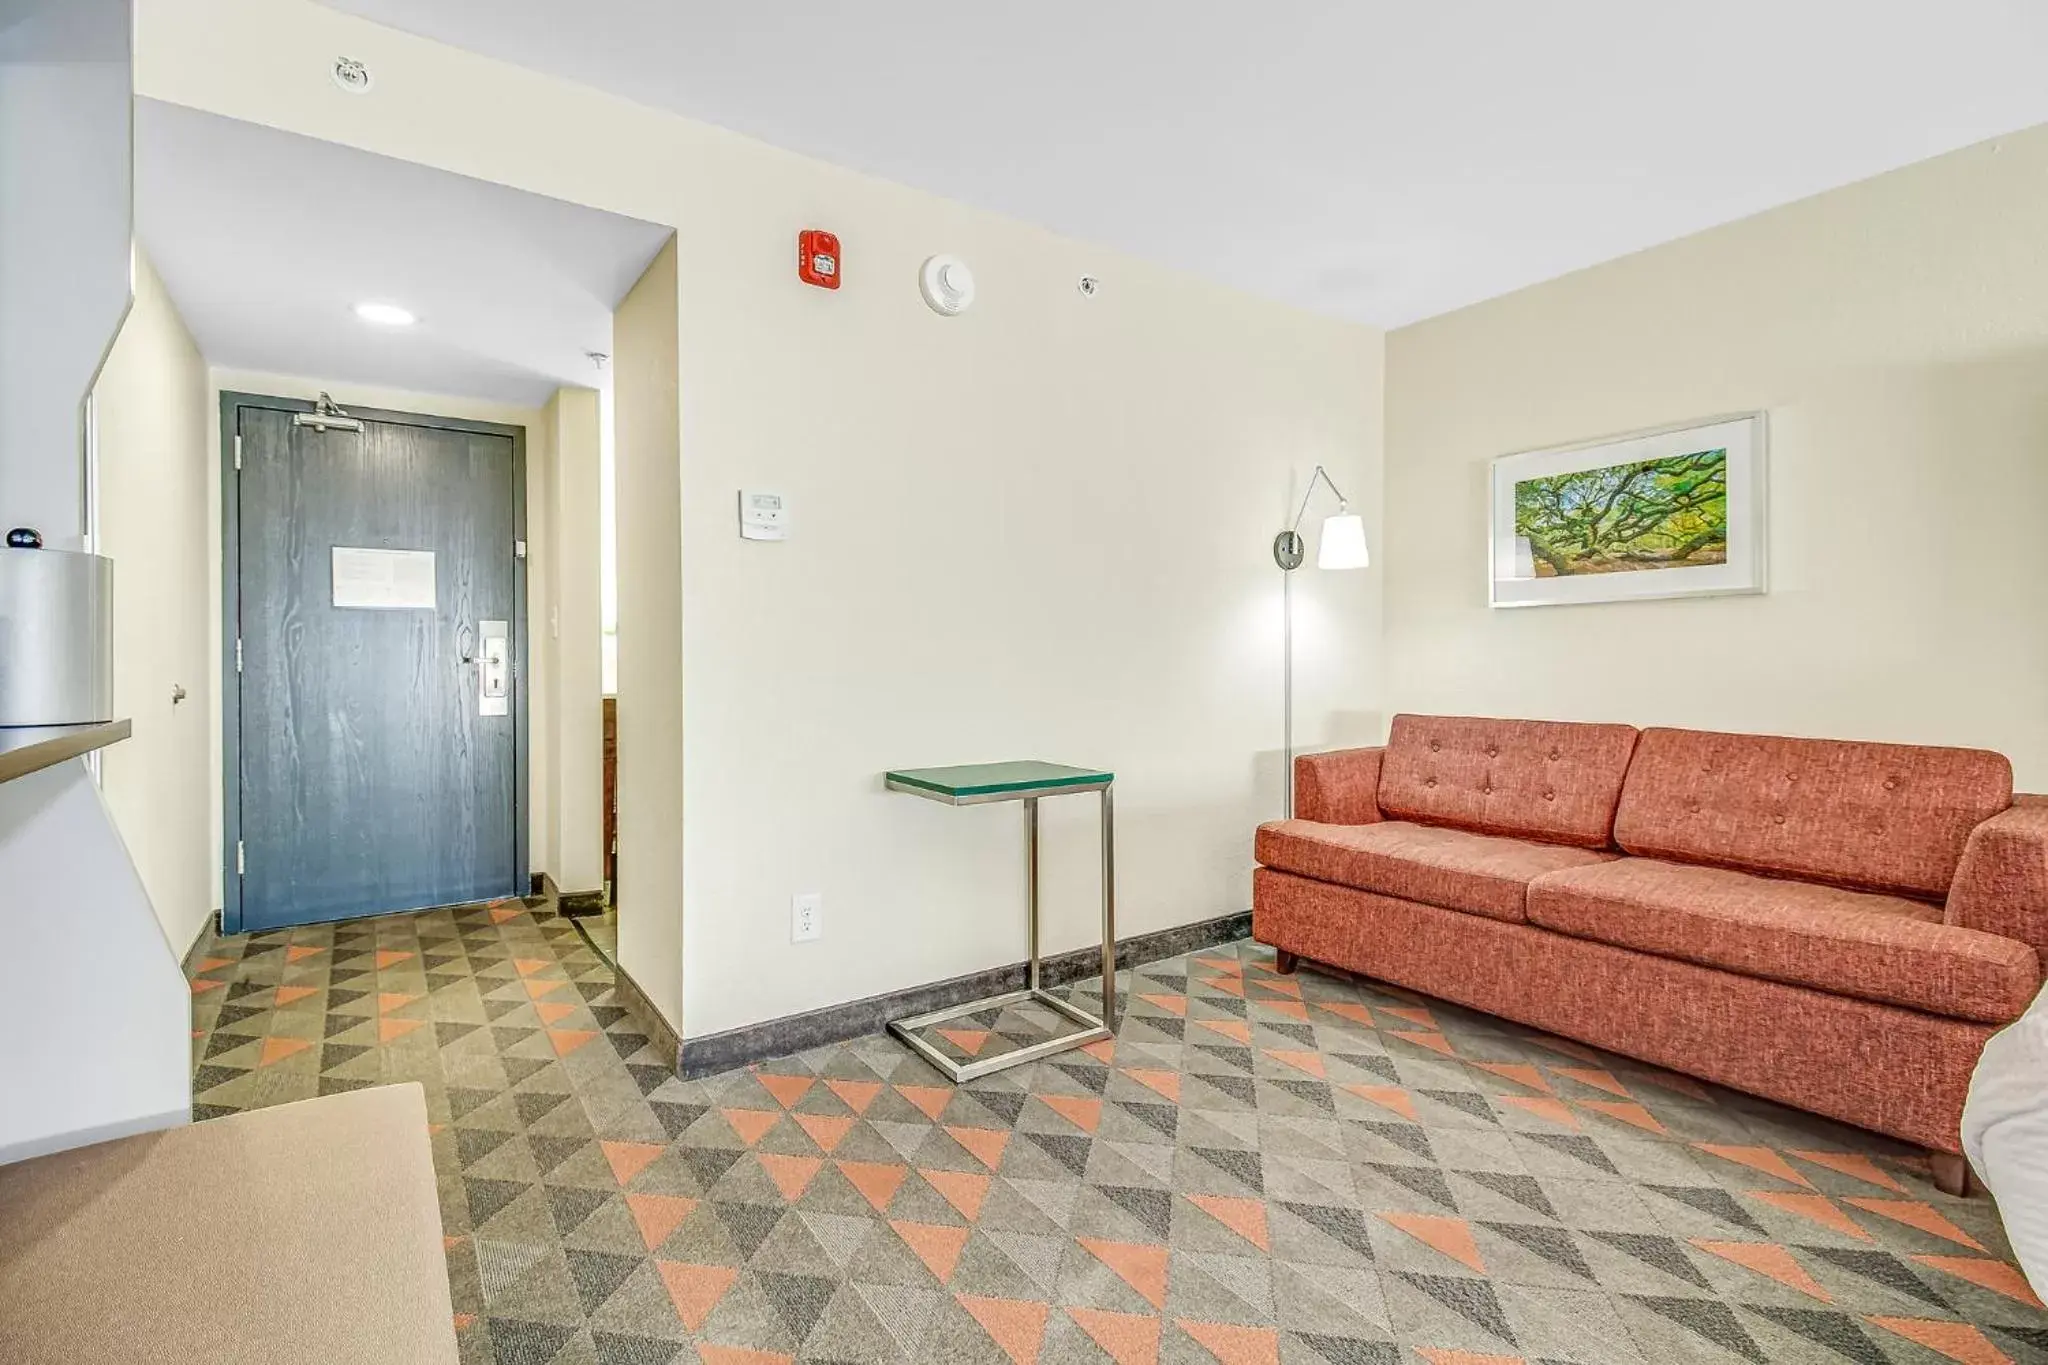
(1285, 962)
(1952, 1174)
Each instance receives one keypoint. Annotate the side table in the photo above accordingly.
(976, 784)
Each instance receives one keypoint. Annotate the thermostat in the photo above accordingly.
(763, 516)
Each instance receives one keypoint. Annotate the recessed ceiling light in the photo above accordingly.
(385, 314)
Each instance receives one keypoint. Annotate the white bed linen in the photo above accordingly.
(2005, 1134)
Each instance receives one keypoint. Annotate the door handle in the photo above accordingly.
(494, 674)
(497, 670)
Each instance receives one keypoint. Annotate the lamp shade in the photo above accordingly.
(1343, 543)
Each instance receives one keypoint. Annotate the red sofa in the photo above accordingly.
(1838, 926)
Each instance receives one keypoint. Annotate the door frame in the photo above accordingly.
(230, 629)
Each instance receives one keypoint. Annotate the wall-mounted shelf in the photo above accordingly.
(29, 749)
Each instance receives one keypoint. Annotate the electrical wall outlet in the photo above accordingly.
(806, 916)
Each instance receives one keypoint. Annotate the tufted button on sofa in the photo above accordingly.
(1836, 925)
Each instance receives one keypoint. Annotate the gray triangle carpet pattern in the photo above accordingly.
(1258, 1170)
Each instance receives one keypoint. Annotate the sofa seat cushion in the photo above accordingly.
(1850, 943)
(1480, 874)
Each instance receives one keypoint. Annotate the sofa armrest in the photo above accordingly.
(2001, 887)
(1340, 787)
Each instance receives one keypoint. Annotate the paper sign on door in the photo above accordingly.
(383, 580)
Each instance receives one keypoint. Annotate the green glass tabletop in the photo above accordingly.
(995, 779)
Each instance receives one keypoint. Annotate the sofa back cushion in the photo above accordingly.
(1881, 817)
(1534, 779)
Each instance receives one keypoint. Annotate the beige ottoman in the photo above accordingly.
(310, 1232)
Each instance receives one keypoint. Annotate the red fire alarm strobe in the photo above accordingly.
(817, 258)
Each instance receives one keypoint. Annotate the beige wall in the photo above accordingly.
(1897, 333)
(645, 427)
(1041, 528)
(150, 407)
(564, 611)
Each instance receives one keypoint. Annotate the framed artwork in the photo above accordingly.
(1676, 512)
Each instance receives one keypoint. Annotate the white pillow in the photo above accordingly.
(2005, 1134)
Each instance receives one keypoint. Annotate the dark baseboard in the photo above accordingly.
(568, 904)
(856, 1019)
(208, 928)
(645, 1014)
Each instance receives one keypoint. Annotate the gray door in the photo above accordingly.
(368, 772)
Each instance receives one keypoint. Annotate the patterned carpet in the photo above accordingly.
(1260, 1170)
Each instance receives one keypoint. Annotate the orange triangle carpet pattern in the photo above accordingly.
(1258, 1170)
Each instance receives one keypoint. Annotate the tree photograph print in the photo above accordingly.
(1653, 514)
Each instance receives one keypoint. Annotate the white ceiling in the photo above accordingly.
(267, 241)
(1381, 160)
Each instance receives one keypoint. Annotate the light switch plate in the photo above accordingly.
(763, 516)
(806, 916)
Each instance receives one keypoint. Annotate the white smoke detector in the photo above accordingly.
(947, 285)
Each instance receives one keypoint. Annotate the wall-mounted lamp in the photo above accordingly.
(1343, 541)
(1341, 546)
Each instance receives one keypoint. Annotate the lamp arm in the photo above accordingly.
(1324, 476)
(1287, 553)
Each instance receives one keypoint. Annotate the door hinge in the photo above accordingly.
(238, 450)
(241, 858)
(519, 549)
(238, 654)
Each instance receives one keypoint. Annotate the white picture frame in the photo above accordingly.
(1520, 576)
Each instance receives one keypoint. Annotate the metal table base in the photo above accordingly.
(1093, 1029)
